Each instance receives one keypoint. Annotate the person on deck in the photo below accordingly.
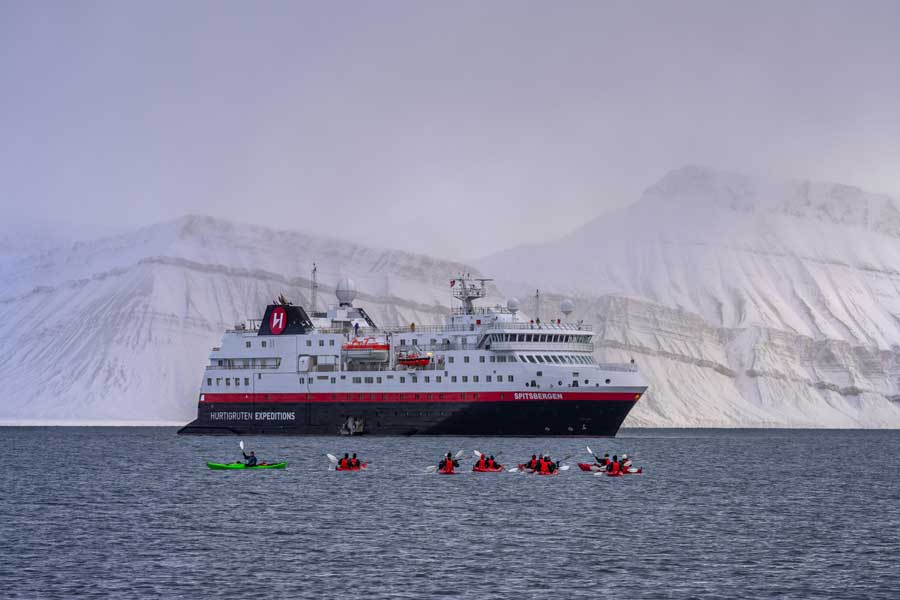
(251, 459)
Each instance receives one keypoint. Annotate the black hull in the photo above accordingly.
(529, 418)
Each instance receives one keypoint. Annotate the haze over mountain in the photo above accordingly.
(746, 302)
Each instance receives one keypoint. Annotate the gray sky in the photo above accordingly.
(452, 129)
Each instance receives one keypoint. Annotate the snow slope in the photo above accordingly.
(745, 301)
(119, 329)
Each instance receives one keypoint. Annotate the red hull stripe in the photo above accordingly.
(426, 397)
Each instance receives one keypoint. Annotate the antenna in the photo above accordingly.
(315, 288)
(537, 305)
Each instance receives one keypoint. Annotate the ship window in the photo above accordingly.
(466, 359)
(369, 380)
(228, 381)
(220, 361)
(607, 381)
(481, 358)
(209, 381)
(493, 358)
(540, 373)
(555, 359)
(402, 342)
(528, 338)
(263, 343)
(334, 380)
(302, 380)
(427, 379)
(390, 376)
(586, 382)
(465, 379)
(309, 342)
(453, 379)
(509, 377)
(450, 360)
(259, 375)
(547, 358)
(413, 379)
(357, 380)
(331, 342)
(237, 381)
(438, 379)
(513, 359)
(247, 344)
(501, 358)
(378, 380)
(474, 378)
(540, 359)
(487, 378)
(321, 342)
(402, 379)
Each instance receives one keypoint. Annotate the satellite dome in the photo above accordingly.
(566, 307)
(512, 305)
(345, 291)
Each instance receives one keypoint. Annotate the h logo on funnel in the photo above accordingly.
(277, 320)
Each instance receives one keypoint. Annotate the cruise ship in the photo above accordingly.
(487, 371)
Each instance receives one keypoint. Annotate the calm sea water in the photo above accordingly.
(130, 513)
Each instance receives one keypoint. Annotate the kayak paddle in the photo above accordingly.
(332, 458)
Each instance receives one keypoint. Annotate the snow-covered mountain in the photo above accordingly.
(746, 301)
(119, 329)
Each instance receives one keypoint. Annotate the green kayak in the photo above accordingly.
(239, 465)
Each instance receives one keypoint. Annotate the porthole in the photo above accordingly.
(608, 381)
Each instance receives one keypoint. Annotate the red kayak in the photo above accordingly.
(524, 467)
(446, 472)
(497, 469)
(359, 468)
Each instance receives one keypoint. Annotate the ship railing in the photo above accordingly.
(231, 367)
(496, 327)
(542, 347)
(623, 367)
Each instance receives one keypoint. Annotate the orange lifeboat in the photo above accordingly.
(367, 349)
(412, 359)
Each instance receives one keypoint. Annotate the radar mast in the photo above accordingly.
(466, 289)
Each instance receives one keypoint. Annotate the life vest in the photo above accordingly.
(491, 464)
(448, 465)
(482, 462)
(614, 468)
(545, 466)
(343, 463)
(354, 462)
(532, 464)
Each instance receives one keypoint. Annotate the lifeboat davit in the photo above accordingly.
(367, 349)
(414, 360)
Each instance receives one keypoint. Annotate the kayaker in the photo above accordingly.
(532, 464)
(344, 463)
(482, 463)
(605, 460)
(448, 463)
(613, 467)
(251, 459)
(354, 462)
(491, 463)
(626, 462)
(544, 464)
